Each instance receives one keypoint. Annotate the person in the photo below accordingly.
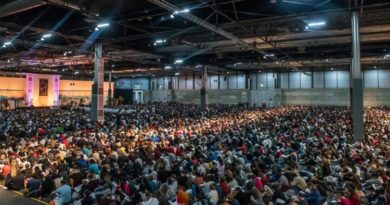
(63, 194)
(150, 199)
(314, 197)
(174, 151)
(183, 198)
(213, 195)
(5, 170)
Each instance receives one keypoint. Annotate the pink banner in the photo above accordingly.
(29, 89)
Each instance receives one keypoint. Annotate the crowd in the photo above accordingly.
(174, 154)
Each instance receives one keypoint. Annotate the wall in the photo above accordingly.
(269, 97)
(193, 96)
(320, 87)
(372, 97)
(74, 90)
(12, 87)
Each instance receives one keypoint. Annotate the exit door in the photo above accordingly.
(138, 97)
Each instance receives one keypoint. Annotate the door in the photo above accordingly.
(138, 97)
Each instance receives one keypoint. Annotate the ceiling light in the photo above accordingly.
(172, 16)
(177, 74)
(159, 41)
(178, 61)
(331, 68)
(77, 72)
(48, 35)
(168, 67)
(387, 56)
(7, 44)
(314, 24)
(102, 25)
(261, 85)
(180, 12)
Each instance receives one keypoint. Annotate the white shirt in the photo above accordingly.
(151, 201)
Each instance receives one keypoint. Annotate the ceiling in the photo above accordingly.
(226, 35)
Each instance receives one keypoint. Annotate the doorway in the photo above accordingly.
(138, 97)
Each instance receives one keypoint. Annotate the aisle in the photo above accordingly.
(8, 197)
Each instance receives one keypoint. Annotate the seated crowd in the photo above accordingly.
(174, 154)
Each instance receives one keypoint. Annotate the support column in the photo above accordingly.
(97, 105)
(204, 104)
(109, 98)
(357, 81)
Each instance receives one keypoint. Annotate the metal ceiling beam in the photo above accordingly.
(19, 6)
(40, 30)
(202, 23)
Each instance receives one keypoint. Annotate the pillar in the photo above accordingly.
(97, 105)
(204, 104)
(109, 98)
(357, 81)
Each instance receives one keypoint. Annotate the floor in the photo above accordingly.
(8, 197)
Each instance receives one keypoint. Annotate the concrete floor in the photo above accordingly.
(8, 197)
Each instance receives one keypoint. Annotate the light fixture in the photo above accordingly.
(261, 85)
(236, 64)
(168, 67)
(178, 61)
(387, 56)
(181, 11)
(45, 36)
(316, 24)
(102, 25)
(198, 66)
(177, 74)
(77, 72)
(326, 60)
(331, 68)
(7, 43)
(159, 41)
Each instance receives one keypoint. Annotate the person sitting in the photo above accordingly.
(63, 194)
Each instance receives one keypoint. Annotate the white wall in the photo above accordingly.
(263, 80)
